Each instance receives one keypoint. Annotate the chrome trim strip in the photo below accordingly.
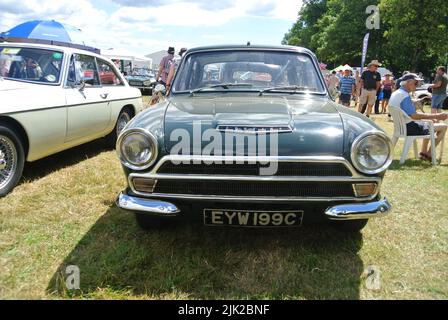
(355, 211)
(146, 205)
(248, 198)
(254, 159)
(254, 178)
(253, 129)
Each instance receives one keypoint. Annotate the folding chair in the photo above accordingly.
(400, 119)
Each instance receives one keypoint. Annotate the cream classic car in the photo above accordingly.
(53, 98)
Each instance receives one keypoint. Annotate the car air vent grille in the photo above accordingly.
(284, 169)
(255, 188)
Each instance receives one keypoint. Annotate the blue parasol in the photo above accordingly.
(47, 31)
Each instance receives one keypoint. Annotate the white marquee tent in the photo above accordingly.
(126, 55)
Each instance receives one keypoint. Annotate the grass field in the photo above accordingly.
(63, 213)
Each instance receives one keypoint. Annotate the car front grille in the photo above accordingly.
(255, 188)
(284, 169)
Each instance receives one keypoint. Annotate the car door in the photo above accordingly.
(88, 103)
(114, 87)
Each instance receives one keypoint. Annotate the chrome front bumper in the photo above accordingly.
(351, 211)
(150, 206)
(355, 211)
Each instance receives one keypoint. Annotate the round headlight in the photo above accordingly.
(372, 152)
(137, 149)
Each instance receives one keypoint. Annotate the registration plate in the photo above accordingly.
(252, 218)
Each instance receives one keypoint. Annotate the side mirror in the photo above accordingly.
(80, 85)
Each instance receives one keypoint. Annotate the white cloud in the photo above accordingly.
(140, 25)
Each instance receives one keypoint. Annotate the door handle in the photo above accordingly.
(104, 95)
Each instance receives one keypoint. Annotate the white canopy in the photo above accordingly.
(124, 54)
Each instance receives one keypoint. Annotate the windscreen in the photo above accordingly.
(254, 70)
(30, 64)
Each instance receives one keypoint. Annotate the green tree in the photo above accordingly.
(417, 38)
(307, 24)
(413, 34)
(343, 29)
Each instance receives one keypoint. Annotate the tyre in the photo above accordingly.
(148, 223)
(350, 226)
(12, 160)
(123, 118)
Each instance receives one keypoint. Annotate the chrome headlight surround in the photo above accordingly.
(152, 143)
(361, 139)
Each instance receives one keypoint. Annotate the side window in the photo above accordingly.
(108, 75)
(83, 68)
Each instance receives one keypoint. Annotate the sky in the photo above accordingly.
(147, 26)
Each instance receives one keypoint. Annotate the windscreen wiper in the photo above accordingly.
(284, 88)
(221, 85)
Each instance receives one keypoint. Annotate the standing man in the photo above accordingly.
(347, 87)
(370, 84)
(439, 90)
(164, 67)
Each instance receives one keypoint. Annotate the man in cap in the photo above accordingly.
(401, 98)
(164, 67)
(370, 84)
(347, 88)
(397, 84)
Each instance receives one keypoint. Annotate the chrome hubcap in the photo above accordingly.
(122, 122)
(8, 160)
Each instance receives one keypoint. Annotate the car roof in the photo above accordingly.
(52, 47)
(251, 47)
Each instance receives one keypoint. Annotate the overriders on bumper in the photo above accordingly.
(354, 211)
(349, 211)
(150, 206)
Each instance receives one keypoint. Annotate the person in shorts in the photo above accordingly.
(439, 90)
(388, 86)
(401, 98)
(173, 68)
(164, 67)
(347, 88)
(370, 83)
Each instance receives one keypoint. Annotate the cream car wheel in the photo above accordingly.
(123, 118)
(122, 121)
(11, 160)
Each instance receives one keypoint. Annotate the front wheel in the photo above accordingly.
(350, 226)
(123, 118)
(12, 160)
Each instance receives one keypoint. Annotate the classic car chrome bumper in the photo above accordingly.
(355, 211)
(340, 212)
(147, 205)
